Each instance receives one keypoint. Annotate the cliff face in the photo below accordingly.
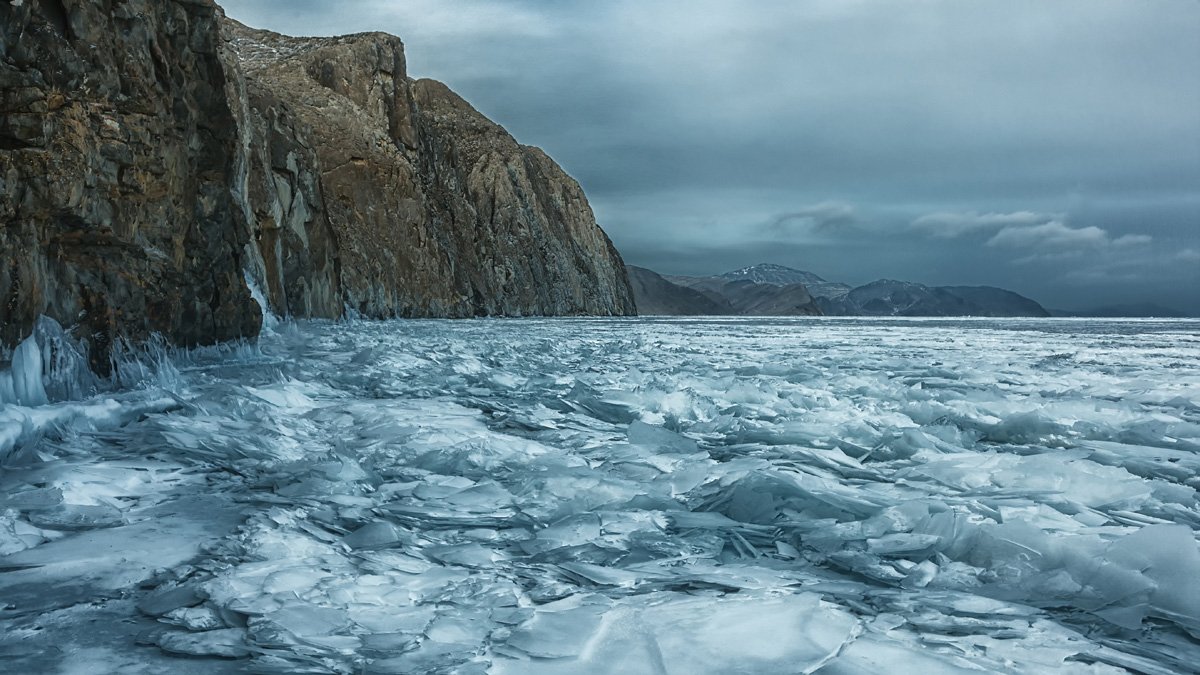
(435, 210)
(153, 155)
(117, 150)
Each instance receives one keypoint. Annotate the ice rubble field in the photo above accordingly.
(613, 496)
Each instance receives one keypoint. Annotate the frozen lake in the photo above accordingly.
(621, 495)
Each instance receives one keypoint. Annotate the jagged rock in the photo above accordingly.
(154, 155)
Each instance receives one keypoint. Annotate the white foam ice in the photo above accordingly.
(269, 320)
(22, 384)
(592, 496)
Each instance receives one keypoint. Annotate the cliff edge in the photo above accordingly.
(158, 161)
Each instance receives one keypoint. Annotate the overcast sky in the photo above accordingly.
(1047, 146)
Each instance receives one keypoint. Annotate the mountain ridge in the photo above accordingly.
(884, 297)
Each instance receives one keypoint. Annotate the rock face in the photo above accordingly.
(433, 209)
(154, 156)
(118, 147)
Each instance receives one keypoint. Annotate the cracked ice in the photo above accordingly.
(603, 496)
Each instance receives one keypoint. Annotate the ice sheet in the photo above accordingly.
(658, 496)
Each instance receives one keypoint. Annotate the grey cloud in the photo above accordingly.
(1132, 240)
(1188, 255)
(822, 217)
(948, 225)
(1054, 234)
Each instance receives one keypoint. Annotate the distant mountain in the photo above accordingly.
(1137, 310)
(725, 295)
(778, 275)
(749, 298)
(655, 295)
(994, 301)
(887, 297)
(905, 298)
(776, 290)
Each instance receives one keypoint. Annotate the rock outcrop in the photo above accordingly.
(434, 209)
(157, 160)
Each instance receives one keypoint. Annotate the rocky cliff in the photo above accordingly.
(118, 149)
(157, 160)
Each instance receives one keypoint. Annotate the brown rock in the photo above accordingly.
(117, 149)
(435, 210)
(153, 154)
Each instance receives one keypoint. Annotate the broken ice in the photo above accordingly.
(595, 496)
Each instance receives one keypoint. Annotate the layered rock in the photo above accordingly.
(155, 156)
